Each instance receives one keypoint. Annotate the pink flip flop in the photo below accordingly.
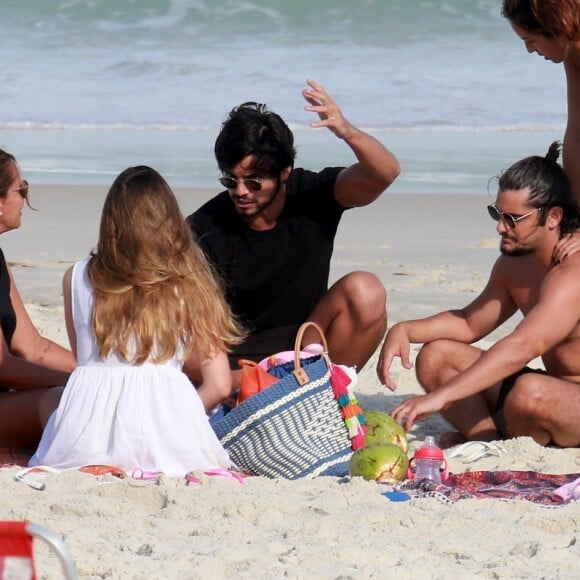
(228, 474)
(145, 475)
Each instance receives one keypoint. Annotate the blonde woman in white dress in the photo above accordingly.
(140, 305)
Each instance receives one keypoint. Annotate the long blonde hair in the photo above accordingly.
(154, 290)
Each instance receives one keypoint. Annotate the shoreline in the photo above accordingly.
(435, 160)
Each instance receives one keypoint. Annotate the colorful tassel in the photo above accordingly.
(358, 442)
(339, 380)
(351, 412)
(343, 400)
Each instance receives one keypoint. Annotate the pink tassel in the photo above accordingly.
(358, 442)
(339, 380)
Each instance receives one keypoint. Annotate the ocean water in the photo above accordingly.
(89, 87)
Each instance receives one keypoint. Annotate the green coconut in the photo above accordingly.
(382, 462)
(382, 428)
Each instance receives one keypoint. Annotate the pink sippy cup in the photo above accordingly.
(428, 462)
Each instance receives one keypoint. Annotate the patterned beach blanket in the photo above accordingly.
(507, 485)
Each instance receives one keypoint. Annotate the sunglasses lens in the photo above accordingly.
(253, 184)
(228, 182)
(509, 220)
(496, 215)
(493, 213)
(231, 183)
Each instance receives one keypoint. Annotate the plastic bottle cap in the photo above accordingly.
(429, 452)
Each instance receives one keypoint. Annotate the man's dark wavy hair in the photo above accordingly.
(548, 184)
(252, 129)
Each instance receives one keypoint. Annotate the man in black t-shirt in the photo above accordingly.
(271, 234)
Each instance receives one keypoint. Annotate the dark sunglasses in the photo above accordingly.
(231, 183)
(511, 221)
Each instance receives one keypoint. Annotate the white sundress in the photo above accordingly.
(146, 417)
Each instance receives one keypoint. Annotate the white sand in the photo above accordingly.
(431, 252)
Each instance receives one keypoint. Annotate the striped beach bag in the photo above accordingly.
(306, 424)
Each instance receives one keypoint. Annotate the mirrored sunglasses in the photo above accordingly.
(510, 220)
(231, 183)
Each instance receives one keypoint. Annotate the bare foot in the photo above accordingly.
(450, 439)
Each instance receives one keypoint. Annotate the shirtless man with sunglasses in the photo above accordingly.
(492, 394)
(270, 234)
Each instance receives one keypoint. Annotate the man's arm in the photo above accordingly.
(377, 167)
(571, 144)
(552, 319)
(488, 311)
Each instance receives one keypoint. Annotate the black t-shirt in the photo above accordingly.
(273, 279)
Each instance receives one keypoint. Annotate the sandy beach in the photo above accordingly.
(431, 252)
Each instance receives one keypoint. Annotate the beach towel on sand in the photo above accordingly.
(540, 488)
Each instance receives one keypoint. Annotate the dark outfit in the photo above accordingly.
(273, 279)
(7, 314)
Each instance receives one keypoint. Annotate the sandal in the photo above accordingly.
(145, 475)
(190, 478)
(227, 473)
(34, 476)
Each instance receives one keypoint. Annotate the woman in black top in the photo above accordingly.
(32, 368)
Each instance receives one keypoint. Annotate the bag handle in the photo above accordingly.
(298, 371)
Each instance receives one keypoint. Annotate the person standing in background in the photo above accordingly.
(143, 301)
(551, 28)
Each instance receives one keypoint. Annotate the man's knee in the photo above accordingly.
(365, 294)
(432, 358)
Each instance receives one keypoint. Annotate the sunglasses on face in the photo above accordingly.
(231, 183)
(22, 190)
(511, 221)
